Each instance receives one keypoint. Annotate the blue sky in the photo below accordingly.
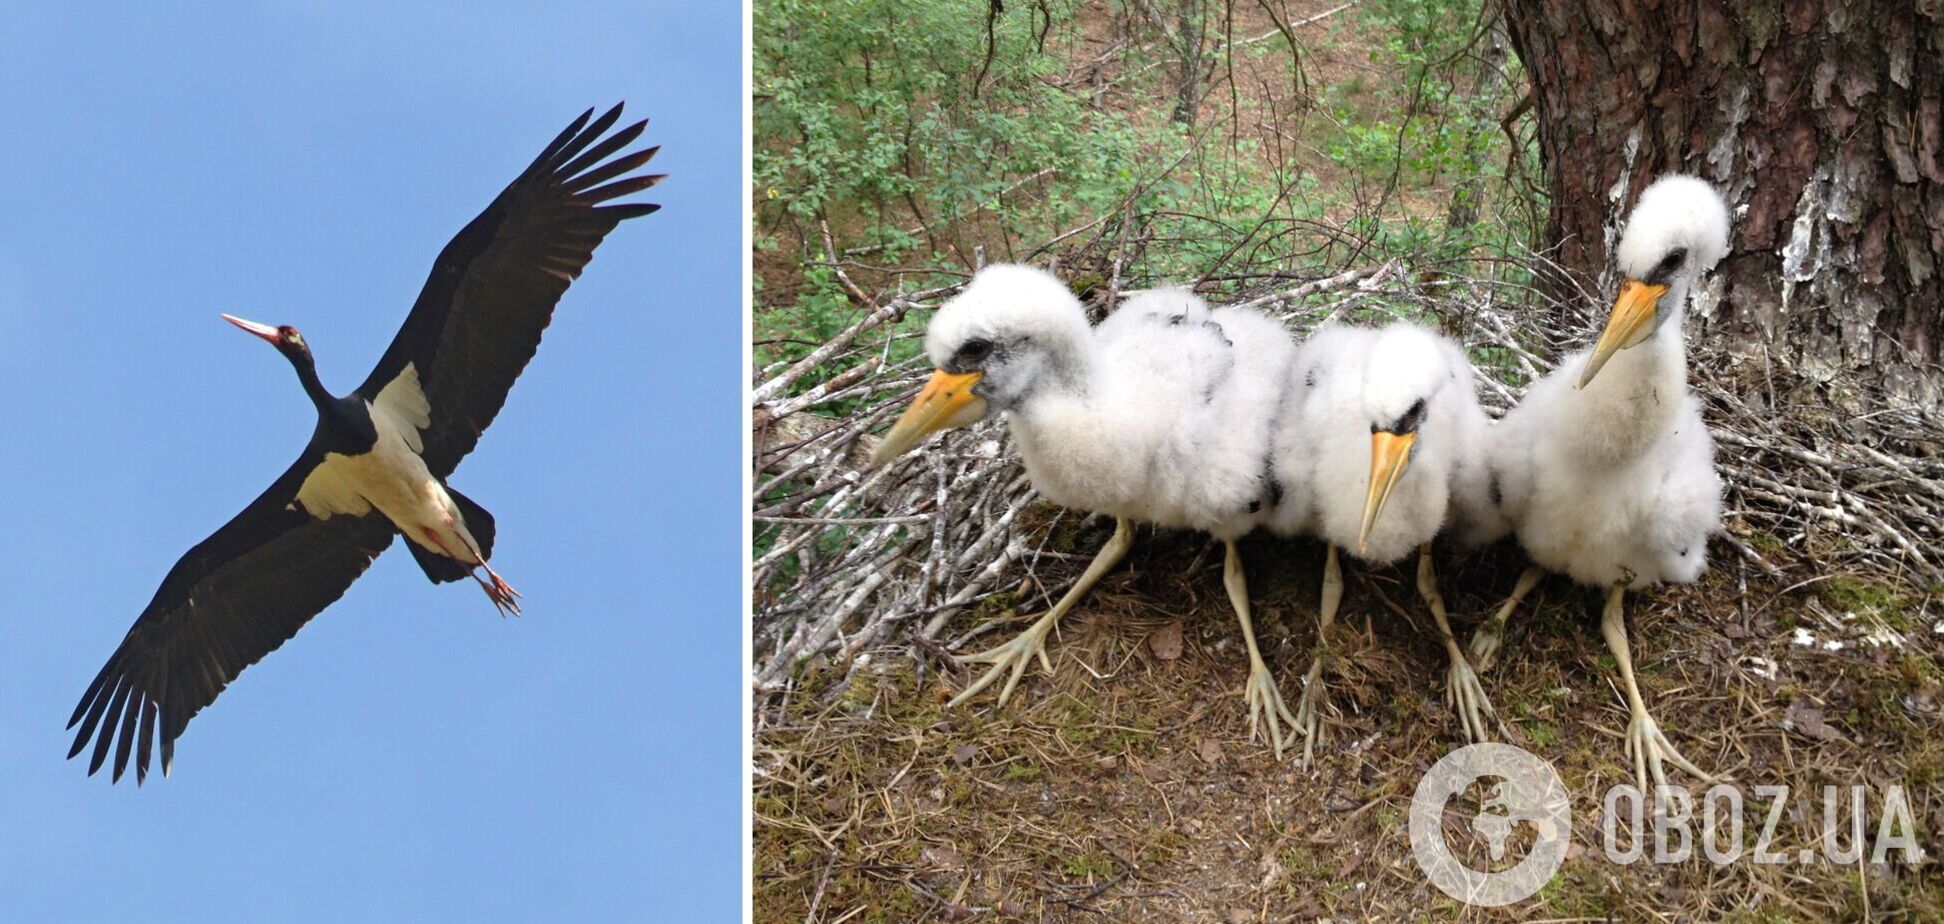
(410, 755)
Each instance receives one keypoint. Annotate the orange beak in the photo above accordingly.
(1390, 453)
(1632, 321)
(946, 402)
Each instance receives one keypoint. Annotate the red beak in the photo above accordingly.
(262, 330)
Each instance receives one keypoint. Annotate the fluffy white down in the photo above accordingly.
(1161, 414)
(1347, 379)
(1595, 507)
(1617, 481)
(1674, 211)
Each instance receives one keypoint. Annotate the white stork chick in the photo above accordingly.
(1380, 452)
(1161, 414)
(1612, 482)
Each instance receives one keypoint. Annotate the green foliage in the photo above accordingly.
(910, 135)
(1434, 128)
(882, 118)
(873, 110)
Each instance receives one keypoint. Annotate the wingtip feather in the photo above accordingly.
(582, 138)
(595, 154)
(619, 188)
(561, 140)
(628, 210)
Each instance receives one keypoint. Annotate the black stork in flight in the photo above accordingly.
(377, 463)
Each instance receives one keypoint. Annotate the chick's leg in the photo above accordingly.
(1490, 634)
(1015, 655)
(1647, 746)
(1309, 715)
(1463, 692)
(1260, 692)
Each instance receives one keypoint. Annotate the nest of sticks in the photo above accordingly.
(853, 563)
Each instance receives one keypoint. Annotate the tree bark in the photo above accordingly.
(1819, 120)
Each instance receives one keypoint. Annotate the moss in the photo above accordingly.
(998, 604)
(1572, 896)
(1085, 738)
(1164, 846)
(1062, 526)
(1761, 916)
(1130, 741)
(1389, 818)
(1883, 601)
(1303, 866)
(1886, 712)
(1923, 761)
(1091, 866)
(901, 905)
(1069, 712)
(1066, 536)
(1084, 284)
(772, 805)
(961, 793)
(857, 697)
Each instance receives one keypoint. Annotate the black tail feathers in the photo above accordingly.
(437, 567)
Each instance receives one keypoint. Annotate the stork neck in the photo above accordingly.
(1635, 397)
(1087, 435)
(1061, 373)
(1662, 360)
(1073, 371)
(313, 386)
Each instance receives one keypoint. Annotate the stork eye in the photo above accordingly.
(974, 352)
(1672, 261)
(1412, 418)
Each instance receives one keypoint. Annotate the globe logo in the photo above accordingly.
(1521, 790)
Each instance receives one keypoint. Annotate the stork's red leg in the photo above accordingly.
(504, 597)
(502, 594)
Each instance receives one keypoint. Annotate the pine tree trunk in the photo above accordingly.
(1822, 121)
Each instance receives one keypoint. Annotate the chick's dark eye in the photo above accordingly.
(1673, 260)
(975, 351)
(1412, 418)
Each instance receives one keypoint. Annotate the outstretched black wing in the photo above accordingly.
(232, 599)
(479, 318)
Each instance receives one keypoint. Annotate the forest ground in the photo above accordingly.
(1126, 786)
